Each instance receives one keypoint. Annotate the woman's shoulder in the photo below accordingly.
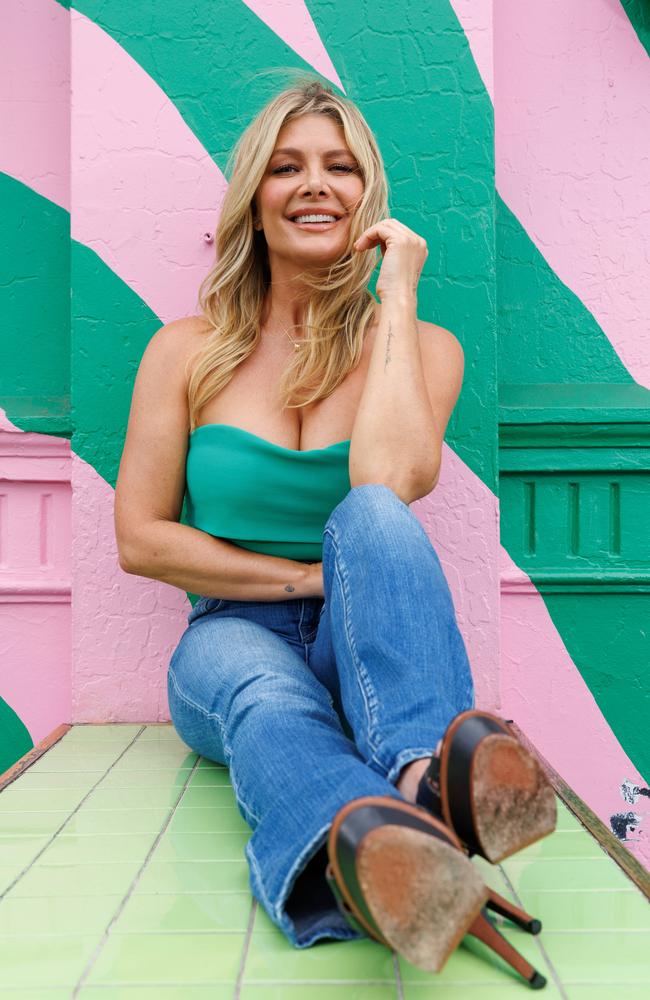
(180, 338)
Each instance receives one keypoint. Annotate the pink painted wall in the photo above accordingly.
(35, 578)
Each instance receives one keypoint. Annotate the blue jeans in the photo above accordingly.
(312, 702)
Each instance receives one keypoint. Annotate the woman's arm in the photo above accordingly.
(414, 377)
(151, 485)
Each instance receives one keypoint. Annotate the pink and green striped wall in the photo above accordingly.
(516, 141)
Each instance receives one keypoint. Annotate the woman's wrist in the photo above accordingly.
(400, 299)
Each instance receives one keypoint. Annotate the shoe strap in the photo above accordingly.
(428, 794)
(340, 902)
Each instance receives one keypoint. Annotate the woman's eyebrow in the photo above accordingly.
(297, 152)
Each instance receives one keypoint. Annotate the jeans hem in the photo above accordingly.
(404, 758)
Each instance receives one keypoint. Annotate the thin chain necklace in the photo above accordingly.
(296, 344)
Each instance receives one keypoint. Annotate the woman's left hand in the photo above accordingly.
(403, 256)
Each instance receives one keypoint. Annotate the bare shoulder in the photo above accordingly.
(176, 342)
(438, 339)
(443, 365)
(182, 335)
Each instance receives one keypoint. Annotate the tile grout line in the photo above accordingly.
(244, 953)
(546, 956)
(95, 955)
(68, 818)
(398, 977)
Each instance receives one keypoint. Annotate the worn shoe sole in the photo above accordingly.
(422, 892)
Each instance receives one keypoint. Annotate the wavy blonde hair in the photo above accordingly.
(339, 306)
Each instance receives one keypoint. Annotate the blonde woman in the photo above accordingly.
(323, 665)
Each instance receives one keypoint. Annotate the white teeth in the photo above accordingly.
(315, 218)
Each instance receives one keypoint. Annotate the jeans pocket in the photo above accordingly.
(204, 606)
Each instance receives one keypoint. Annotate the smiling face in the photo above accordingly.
(311, 172)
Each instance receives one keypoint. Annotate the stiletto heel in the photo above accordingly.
(502, 906)
(490, 936)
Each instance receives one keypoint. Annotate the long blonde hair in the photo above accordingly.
(339, 307)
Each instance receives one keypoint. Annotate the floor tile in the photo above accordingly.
(317, 991)
(57, 915)
(563, 844)
(31, 824)
(76, 880)
(60, 960)
(598, 991)
(72, 849)
(131, 798)
(224, 845)
(204, 911)
(146, 777)
(39, 993)
(566, 874)
(272, 957)
(97, 733)
(72, 761)
(215, 776)
(566, 820)
(210, 819)
(582, 911)
(168, 959)
(474, 963)
(215, 991)
(194, 876)
(615, 957)
(81, 781)
(20, 851)
(208, 795)
(506, 990)
(89, 822)
(37, 800)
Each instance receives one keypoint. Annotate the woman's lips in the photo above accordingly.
(315, 226)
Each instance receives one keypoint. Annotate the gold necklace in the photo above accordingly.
(296, 344)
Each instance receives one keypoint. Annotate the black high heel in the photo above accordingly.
(401, 877)
(488, 788)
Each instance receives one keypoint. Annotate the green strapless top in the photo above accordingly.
(260, 495)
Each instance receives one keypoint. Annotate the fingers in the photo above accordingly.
(388, 230)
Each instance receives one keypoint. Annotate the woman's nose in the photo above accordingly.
(315, 180)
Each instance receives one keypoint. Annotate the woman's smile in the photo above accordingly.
(314, 226)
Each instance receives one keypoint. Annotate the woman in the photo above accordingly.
(324, 666)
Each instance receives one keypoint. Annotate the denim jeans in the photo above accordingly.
(312, 702)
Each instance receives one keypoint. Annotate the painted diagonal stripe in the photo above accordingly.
(573, 147)
(35, 106)
(292, 22)
(144, 189)
(477, 20)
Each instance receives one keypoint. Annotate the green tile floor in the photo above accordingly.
(122, 875)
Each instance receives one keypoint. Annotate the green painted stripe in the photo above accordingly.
(111, 327)
(546, 334)
(35, 279)
(607, 640)
(638, 11)
(15, 740)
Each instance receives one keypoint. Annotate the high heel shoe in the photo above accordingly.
(401, 877)
(488, 788)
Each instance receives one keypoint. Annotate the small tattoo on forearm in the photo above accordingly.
(390, 334)
(289, 588)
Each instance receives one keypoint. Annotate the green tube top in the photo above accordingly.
(262, 496)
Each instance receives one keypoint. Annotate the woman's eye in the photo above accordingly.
(335, 166)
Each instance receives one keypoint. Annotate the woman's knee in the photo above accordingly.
(372, 519)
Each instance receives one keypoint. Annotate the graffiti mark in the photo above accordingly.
(631, 792)
(623, 824)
